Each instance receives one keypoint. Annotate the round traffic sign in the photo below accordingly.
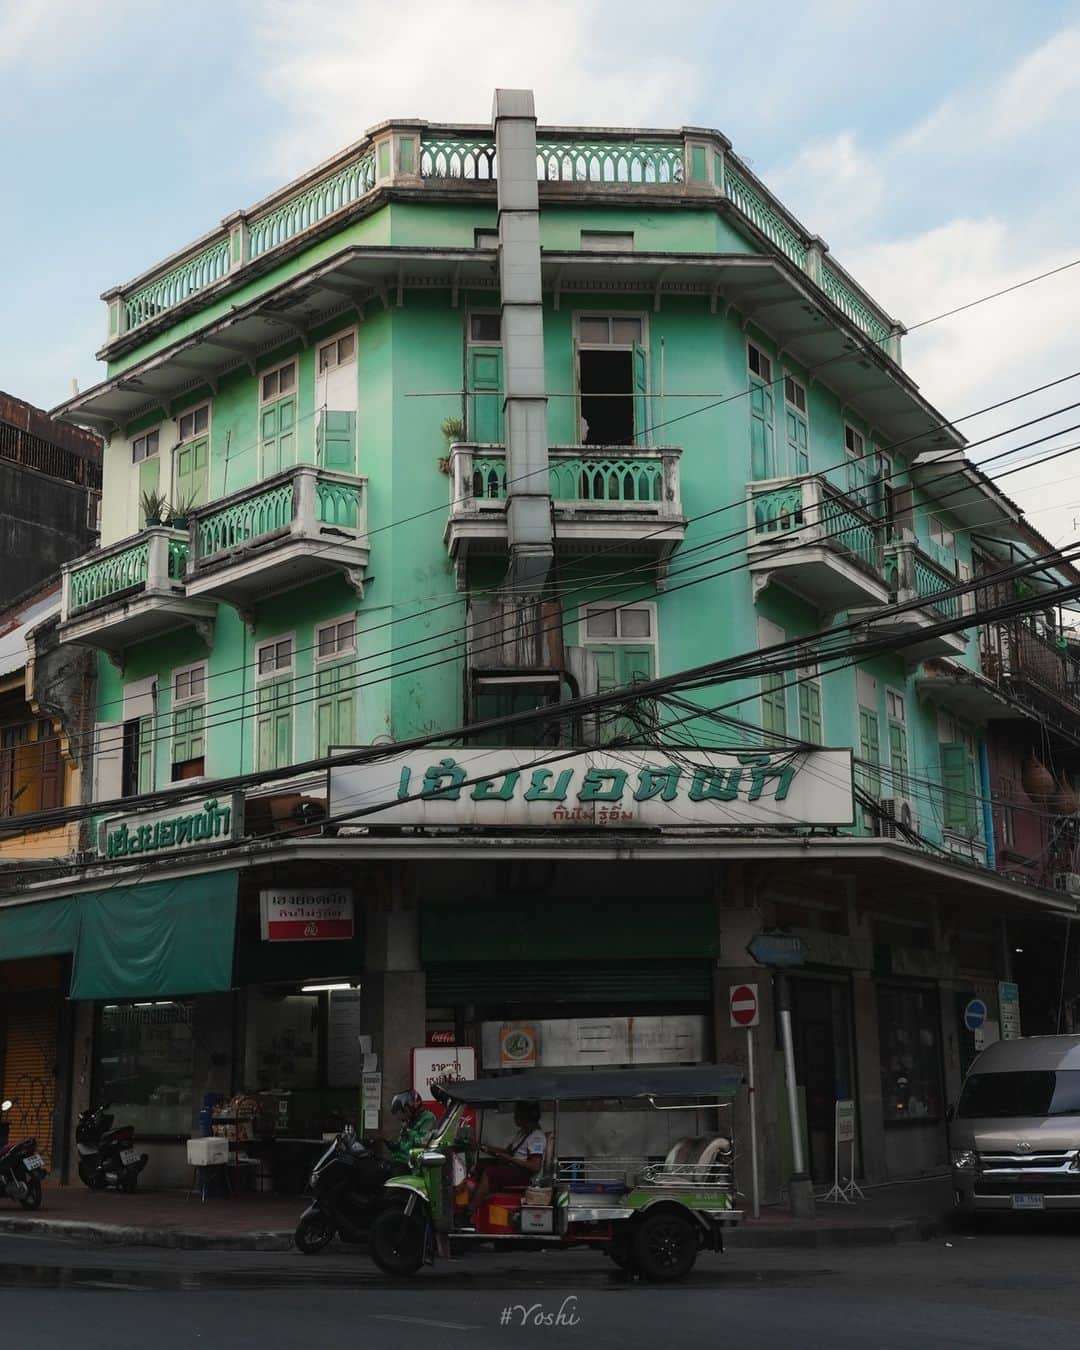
(975, 1014)
(743, 1003)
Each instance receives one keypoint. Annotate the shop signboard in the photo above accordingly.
(214, 821)
(1009, 1010)
(517, 1047)
(321, 915)
(441, 1064)
(345, 1040)
(845, 1121)
(635, 788)
(566, 1042)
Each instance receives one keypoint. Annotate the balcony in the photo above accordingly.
(130, 591)
(815, 541)
(913, 576)
(1033, 669)
(615, 499)
(289, 530)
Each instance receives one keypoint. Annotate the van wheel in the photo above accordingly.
(396, 1241)
(665, 1247)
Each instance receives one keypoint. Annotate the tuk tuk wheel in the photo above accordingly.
(665, 1247)
(396, 1241)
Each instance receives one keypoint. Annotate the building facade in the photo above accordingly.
(471, 422)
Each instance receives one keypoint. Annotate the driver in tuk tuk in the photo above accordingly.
(417, 1126)
(515, 1166)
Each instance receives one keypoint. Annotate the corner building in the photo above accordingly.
(466, 422)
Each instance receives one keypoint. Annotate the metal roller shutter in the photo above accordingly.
(29, 1059)
(542, 982)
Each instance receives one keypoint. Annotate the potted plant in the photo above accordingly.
(453, 429)
(178, 515)
(154, 507)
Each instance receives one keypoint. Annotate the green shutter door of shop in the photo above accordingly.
(485, 395)
(192, 472)
(277, 436)
(335, 707)
(451, 984)
(273, 724)
(958, 782)
(762, 449)
(337, 441)
(641, 399)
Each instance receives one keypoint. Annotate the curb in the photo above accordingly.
(807, 1234)
(122, 1235)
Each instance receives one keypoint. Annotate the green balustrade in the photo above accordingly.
(457, 157)
(177, 561)
(299, 213)
(337, 503)
(778, 510)
(261, 514)
(489, 477)
(769, 222)
(584, 479)
(164, 292)
(849, 530)
(96, 581)
(930, 581)
(846, 300)
(590, 161)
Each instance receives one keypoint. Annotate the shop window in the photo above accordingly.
(188, 723)
(144, 1066)
(274, 704)
(282, 1040)
(909, 1033)
(30, 777)
(612, 380)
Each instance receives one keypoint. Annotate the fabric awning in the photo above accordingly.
(45, 928)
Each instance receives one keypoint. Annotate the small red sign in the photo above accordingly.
(308, 930)
(442, 1038)
(743, 1004)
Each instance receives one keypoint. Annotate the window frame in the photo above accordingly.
(610, 315)
(181, 439)
(178, 703)
(268, 678)
(272, 642)
(154, 431)
(764, 355)
(334, 339)
(482, 312)
(196, 666)
(275, 369)
(348, 617)
(804, 411)
(619, 606)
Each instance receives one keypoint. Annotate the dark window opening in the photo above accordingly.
(129, 768)
(495, 700)
(1030, 1092)
(607, 397)
(189, 768)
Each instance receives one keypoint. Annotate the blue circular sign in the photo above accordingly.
(975, 1014)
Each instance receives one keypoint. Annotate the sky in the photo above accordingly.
(933, 145)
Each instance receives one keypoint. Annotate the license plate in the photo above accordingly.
(129, 1156)
(34, 1161)
(1028, 1202)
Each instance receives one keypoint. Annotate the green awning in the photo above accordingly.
(163, 939)
(42, 928)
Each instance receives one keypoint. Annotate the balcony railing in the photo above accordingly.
(810, 511)
(152, 562)
(682, 163)
(1019, 658)
(621, 479)
(914, 575)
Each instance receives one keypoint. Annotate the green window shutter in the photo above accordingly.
(485, 371)
(146, 754)
(797, 443)
(149, 480)
(619, 665)
(635, 664)
(773, 704)
(337, 441)
(641, 399)
(898, 758)
(188, 733)
(193, 472)
(810, 725)
(277, 436)
(762, 453)
(870, 751)
(335, 707)
(273, 724)
(958, 784)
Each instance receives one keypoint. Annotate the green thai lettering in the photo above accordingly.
(716, 785)
(443, 781)
(603, 785)
(662, 783)
(404, 779)
(539, 791)
(485, 790)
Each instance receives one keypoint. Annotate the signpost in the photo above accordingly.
(745, 1011)
(1009, 1006)
(844, 1133)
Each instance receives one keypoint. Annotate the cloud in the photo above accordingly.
(335, 72)
(38, 35)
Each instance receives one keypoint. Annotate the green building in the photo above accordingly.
(466, 422)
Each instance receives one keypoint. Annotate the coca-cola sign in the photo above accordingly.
(306, 916)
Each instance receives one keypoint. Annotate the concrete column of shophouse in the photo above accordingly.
(82, 1074)
(871, 1118)
(394, 996)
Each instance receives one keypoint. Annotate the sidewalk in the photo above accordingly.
(905, 1212)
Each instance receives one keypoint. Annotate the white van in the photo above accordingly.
(1014, 1137)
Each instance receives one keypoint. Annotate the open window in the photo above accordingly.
(612, 379)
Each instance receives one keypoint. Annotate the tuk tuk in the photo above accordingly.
(650, 1214)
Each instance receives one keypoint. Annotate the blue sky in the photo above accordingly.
(933, 145)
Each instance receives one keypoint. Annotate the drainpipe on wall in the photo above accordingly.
(528, 512)
(987, 809)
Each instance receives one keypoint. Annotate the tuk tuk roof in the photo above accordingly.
(704, 1080)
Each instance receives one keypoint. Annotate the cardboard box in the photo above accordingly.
(207, 1152)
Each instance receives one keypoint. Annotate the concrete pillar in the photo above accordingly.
(871, 1120)
(82, 1075)
(394, 993)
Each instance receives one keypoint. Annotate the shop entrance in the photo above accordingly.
(30, 1015)
(821, 1017)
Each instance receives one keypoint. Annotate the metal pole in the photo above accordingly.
(751, 1089)
(800, 1188)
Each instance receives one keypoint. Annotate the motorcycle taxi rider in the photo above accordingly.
(417, 1126)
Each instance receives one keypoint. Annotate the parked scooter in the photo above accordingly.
(346, 1186)
(107, 1157)
(22, 1169)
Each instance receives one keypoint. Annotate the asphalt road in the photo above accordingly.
(995, 1291)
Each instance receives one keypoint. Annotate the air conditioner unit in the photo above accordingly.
(898, 812)
(1069, 882)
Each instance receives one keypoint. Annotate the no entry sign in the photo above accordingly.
(744, 1006)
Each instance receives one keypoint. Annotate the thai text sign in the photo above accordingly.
(631, 788)
(441, 1064)
(218, 819)
(306, 916)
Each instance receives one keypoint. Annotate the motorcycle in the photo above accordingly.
(22, 1169)
(107, 1156)
(347, 1192)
